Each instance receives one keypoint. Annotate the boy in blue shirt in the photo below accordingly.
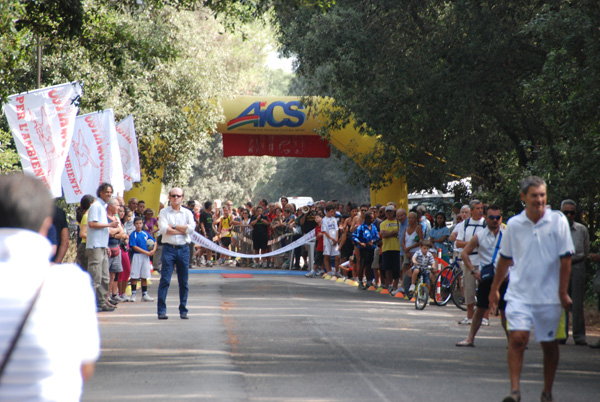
(140, 263)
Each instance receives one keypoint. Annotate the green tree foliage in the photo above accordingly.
(233, 178)
(325, 179)
(166, 65)
(492, 90)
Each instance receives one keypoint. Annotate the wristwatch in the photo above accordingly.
(174, 226)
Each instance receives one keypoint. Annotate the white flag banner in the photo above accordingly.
(129, 152)
(94, 157)
(209, 244)
(42, 123)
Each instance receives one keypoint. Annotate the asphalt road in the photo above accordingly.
(289, 338)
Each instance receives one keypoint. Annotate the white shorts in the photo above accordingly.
(140, 267)
(545, 319)
(329, 249)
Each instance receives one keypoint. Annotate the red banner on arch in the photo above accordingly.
(299, 146)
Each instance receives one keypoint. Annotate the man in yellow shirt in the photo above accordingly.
(390, 250)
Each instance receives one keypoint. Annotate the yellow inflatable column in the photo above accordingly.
(148, 191)
(396, 191)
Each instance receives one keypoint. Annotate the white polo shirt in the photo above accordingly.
(487, 246)
(536, 250)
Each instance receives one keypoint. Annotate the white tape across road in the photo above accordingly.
(206, 243)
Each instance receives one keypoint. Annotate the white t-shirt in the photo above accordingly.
(330, 226)
(457, 228)
(536, 250)
(58, 338)
(465, 233)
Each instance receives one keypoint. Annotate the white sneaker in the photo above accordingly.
(132, 298)
(412, 288)
(125, 297)
(485, 322)
(147, 298)
(465, 321)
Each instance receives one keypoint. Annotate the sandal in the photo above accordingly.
(465, 343)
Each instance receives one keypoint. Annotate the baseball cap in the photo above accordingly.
(310, 204)
(389, 208)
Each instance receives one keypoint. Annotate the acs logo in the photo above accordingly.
(258, 117)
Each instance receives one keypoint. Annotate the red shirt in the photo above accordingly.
(319, 239)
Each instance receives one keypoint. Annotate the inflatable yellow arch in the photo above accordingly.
(282, 126)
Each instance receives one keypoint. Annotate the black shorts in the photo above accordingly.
(347, 249)
(502, 290)
(390, 261)
(260, 242)
(319, 258)
(225, 242)
(483, 294)
(366, 257)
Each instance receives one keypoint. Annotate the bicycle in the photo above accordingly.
(421, 292)
(449, 285)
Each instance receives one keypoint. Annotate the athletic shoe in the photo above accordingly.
(117, 298)
(485, 322)
(125, 297)
(515, 396)
(221, 261)
(311, 274)
(412, 288)
(465, 321)
(595, 345)
(147, 298)
(209, 264)
(132, 298)
(390, 288)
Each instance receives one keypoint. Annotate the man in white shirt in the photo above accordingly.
(470, 227)
(175, 224)
(488, 243)
(538, 243)
(97, 245)
(57, 349)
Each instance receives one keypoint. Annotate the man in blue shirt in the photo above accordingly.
(402, 225)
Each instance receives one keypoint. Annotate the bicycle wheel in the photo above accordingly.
(421, 297)
(458, 292)
(443, 283)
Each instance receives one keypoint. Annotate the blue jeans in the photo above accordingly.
(171, 257)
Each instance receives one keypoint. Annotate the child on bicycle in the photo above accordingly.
(423, 261)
